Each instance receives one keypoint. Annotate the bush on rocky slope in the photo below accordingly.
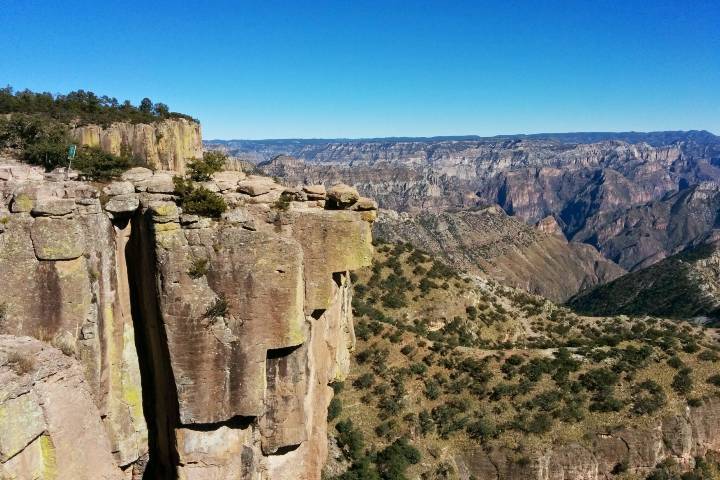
(466, 362)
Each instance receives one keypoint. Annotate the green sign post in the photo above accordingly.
(72, 150)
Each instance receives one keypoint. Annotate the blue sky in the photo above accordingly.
(279, 69)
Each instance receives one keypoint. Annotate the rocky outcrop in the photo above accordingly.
(680, 438)
(165, 145)
(207, 347)
(489, 242)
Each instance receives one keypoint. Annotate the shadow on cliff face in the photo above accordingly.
(160, 402)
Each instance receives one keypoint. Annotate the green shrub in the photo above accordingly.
(648, 398)
(682, 382)
(364, 381)
(219, 308)
(198, 200)
(198, 268)
(334, 409)
(713, 379)
(202, 169)
(95, 164)
(350, 440)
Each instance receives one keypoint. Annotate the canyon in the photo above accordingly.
(637, 198)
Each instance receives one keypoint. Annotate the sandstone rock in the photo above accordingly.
(227, 180)
(364, 204)
(53, 207)
(123, 203)
(120, 188)
(315, 192)
(57, 238)
(255, 187)
(168, 144)
(21, 202)
(332, 242)
(211, 186)
(159, 183)
(49, 399)
(137, 174)
(164, 211)
(342, 196)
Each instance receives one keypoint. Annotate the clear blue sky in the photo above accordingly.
(271, 69)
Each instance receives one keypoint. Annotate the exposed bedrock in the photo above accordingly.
(206, 347)
(680, 438)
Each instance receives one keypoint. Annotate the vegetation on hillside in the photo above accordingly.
(445, 362)
(676, 287)
(82, 107)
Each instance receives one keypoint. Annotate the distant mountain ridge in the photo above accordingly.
(652, 138)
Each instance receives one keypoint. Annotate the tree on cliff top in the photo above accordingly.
(83, 107)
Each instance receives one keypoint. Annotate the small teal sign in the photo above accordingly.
(72, 150)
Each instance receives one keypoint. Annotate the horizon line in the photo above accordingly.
(463, 137)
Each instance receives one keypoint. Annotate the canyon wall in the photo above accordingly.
(165, 145)
(195, 348)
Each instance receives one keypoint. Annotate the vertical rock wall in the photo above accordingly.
(165, 145)
(63, 282)
(224, 334)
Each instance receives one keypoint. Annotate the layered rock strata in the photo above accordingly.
(224, 334)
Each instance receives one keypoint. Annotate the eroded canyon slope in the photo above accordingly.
(176, 346)
(685, 285)
(490, 243)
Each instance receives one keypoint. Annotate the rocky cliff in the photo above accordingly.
(165, 145)
(175, 346)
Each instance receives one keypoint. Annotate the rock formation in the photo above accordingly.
(206, 347)
(165, 145)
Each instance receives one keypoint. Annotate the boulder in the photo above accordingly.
(342, 196)
(137, 174)
(119, 188)
(53, 207)
(123, 204)
(227, 180)
(364, 204)
(255, 187)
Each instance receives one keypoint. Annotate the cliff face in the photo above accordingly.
(206, 348)
(165, 145)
